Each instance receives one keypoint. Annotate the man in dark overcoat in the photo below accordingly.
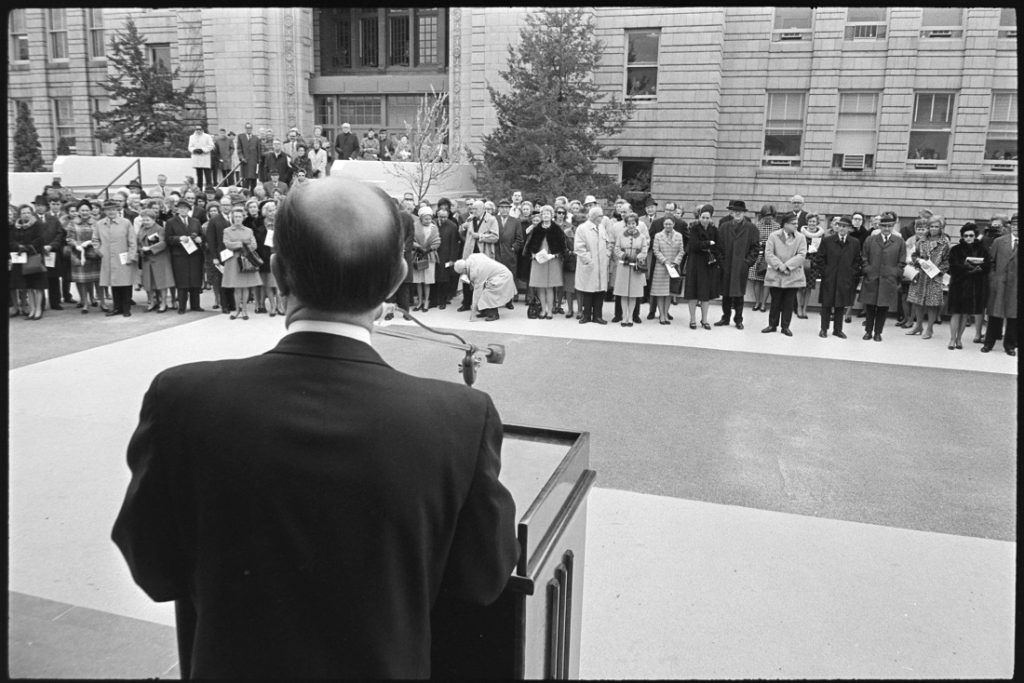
(883, 256)
(54, 239)
(739, 241)
(277, 160)
(838, 264)
(511, 237)
(188, 268)
(346, 144)
(250, 153)
(1002, 298)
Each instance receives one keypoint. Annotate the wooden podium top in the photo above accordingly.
(546, 471)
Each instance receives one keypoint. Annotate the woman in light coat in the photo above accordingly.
(157, 274)
(426, 241)
(235, 237)
(593, 254)
(785, 252)
(493, 283)
(631, 248)
(926, 292)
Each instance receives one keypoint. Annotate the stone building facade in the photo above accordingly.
(854, 108)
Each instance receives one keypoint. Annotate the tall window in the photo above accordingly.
(865, 23)
(402, 108)
(58, 33)
(792, 23)
(368, 41)
(1008, 23)
(1001, 144)
(18, 36)
(426, 38)
(932, 127)
(642, 64)
(94, 19)
(398, 37)
(856, 131)
(942, 22)
(784, 129)
(344, 42)
(99, 148)
(160, 55)
(64, 125)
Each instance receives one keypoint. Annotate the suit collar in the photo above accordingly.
(323, 345)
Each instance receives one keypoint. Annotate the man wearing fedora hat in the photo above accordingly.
(883, 256)
(1002, 300)
(188, 267)
(838, 263)
(740, 243)
(510, 238)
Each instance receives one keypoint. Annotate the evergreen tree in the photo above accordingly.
(553, 114)
(28, 155)
(154, 119)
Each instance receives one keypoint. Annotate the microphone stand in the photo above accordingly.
(468, 364)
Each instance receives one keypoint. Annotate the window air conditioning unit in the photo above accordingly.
(925, 165)
(939, 33)
(1004, 167)
(1012, 33)
(853, 162)
(794, 35)
(780, 162)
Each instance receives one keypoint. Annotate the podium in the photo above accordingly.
(533, 629)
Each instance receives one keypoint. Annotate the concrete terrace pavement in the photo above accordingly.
(718, 579)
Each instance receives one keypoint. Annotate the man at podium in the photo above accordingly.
(308, 507)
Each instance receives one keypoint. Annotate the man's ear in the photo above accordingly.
(399, 280)
(280, 274)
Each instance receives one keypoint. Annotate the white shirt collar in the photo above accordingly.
(349, 330)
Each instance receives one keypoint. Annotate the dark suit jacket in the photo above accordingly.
(346, 146)
(281, 162)
(315, 535)
(250, 153)
(838, 265)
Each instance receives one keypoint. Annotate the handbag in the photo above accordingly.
(569, 261)
(761, 265)
(533, 308)
(675, 285)
(420, 263)
(249, 261)
(33, 265)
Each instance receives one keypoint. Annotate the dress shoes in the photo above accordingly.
(787, 332)
(822, 333)
(481, 314)
(986, 349)
(617, 319)
(203, 310)
(840, 334)
(584, 321)
(509, 306)
(867, 336)
(462, 309)
(769, 329)
(491, 317)
(739, 325)
(181, 311)
(151, 307)
(650, 316)
(877, 337)
(127, 314)
(112, 312)
(638, 321)
(600, 321)
(1011, 352)
(721, 323)
(56, 307)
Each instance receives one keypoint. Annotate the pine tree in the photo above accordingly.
(154, 119)
(28, 155)
(552, 116)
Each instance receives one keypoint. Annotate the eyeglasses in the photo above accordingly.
(969, 236)
(560, 211)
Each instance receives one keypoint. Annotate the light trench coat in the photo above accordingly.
(593, 254)
(779, 252)
(112, 238)
(204, 142)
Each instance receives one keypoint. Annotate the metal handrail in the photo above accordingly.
(106, 190)
(229, 173)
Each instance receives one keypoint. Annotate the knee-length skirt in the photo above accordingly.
(234, 277)
(660, 281)
(546, 274)
(629, 282)
(425, 276)
(925, 291)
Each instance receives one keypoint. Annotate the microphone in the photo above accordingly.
(473, 354)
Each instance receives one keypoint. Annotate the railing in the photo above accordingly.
(230, 174)
(138, 166)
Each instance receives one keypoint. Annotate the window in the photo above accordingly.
(94, 19)
(360, 111)
(792, 23)
(58, 33)
(344, 43)
(18, 36)
(856, 131)
(636, 180)
(100, 148)
(1001, 144)
(931, 129)
(942, 22)
(784, 129)
(865, 23)
(402, 108)
(398, 37)
(325, 115)
(1008, 23)
(368, 41)
(426, 38)
(642, 64)
(160, 56)
(64, 125)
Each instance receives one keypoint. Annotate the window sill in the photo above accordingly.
(59, 64)
(865, 45)
(20, 65)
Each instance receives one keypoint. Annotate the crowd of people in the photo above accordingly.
(567, 257)
(251, 157)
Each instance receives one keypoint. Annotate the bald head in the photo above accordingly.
(339, 243)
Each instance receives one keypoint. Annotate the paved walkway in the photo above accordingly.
(674, 587)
